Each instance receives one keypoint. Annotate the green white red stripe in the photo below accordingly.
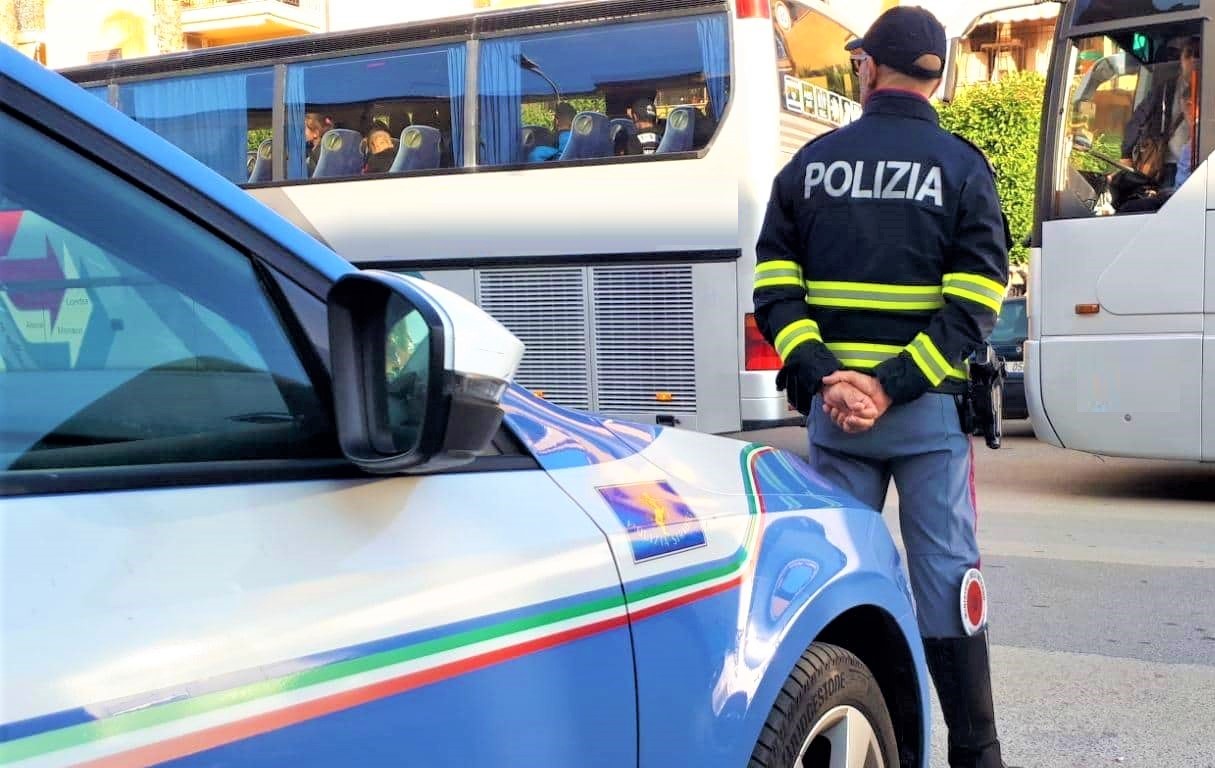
(174, 729)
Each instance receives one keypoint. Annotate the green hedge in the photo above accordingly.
(541, 113)
(1003, 119)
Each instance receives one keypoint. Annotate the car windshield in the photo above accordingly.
(1013, 324)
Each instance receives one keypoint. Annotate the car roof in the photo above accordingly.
(60, 91)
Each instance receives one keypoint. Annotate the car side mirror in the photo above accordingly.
(418, 373)
(1082, 143)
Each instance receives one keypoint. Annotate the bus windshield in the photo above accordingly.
(1131, 122)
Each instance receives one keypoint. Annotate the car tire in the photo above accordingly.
(830, 699)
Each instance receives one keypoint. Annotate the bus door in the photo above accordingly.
(1117, 293)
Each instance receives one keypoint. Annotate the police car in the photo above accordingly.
(260, 508)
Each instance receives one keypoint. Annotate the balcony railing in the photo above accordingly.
(220, 17)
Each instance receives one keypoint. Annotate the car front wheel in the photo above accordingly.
(829, 714)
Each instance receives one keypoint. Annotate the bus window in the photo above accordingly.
(1097, 11)
(1132, 121)
(534, 90)
(217, 118)
(377, 113)
(810, 47)
(815, 72)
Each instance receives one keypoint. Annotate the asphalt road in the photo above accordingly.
(1102, 580)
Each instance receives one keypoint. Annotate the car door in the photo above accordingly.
(190, 571)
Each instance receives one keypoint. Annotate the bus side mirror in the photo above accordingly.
(951, 69)
(1082, 143)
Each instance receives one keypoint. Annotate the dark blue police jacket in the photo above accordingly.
(884, 250)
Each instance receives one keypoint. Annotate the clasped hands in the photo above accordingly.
(853, 400)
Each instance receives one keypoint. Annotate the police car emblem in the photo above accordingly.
(973, 602)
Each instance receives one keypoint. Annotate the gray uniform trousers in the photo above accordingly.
(921, 445)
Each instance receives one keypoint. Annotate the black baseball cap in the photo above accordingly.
(900, 36)
(644, 108)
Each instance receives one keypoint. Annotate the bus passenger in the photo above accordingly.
(564, 121)
(1162, 119)
(647, 138)
(381, 149)
(315, 126)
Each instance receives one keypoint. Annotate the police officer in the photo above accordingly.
(882, 265)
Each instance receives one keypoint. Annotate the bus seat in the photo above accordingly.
(622, 124)
(261, 166)
(536, 136)
(419, 149)
(340, 154)
(680, 133)
(589, 137)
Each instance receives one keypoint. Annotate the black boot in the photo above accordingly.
(962, 674)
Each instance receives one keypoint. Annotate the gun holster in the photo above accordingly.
(981, 408)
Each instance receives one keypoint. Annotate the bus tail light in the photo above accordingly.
(753, 9)
(760, 356)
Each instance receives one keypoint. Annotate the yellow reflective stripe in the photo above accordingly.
(777, 265)
(855, 354)
(978, 298)
(769, 282)
(977, 288)
(882, 296)
(979, 281)
(778, 273)
(794, 335)
(928, 359)
(865, 356)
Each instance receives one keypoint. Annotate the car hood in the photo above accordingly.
(563, 439)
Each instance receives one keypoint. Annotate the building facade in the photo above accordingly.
(66, 33)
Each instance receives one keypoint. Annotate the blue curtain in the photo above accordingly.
(457, 59)
(297, 149)
(207, 116)
(500, 83)
(715, 58)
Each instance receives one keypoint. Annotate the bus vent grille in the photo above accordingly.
(546, 309)
(644, 339)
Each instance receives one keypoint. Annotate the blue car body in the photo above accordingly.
(603, 593)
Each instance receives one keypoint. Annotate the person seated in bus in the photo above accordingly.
(381, 149)
(645, 141)
(563, 122)
(1161, 124)
(315, 126)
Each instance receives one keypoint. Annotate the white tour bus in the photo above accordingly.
(627, 276)
(1121, 352)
